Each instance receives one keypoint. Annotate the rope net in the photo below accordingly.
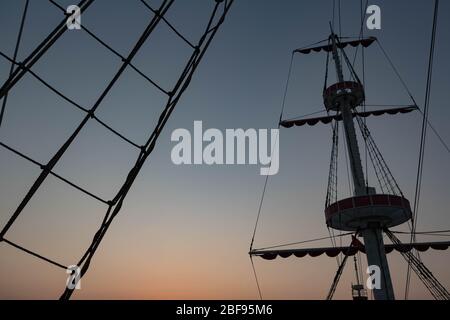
(95, 115)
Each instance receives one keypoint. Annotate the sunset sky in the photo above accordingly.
(184, 231)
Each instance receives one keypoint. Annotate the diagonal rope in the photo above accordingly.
(423, 232)
(363, 63)
(170, 25)
(423, 139)
(57, 156)
(305, 115)
(16, 51)
(23, 156)
(304, 241)
(382, 171)
(333, 14)
(394, 68)
(437, 290)
(338, 274)
(37, 255)
(180, 87)
(73, 103)
(361, 30)
(402, 81)
(267, 176)
(446, 146)
(39, 51)
(256, 278)
(115, 52)
(114, 206)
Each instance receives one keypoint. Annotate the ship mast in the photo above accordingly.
(350, 134)
(366, 212)
(371, 230)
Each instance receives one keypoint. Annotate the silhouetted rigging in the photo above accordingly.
(20, 68)
(366, 213)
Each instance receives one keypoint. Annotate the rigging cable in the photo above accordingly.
(435, 132)
(336, 279)
(40, 50)
(334, 10)
(302, 242)
(423, 139)
(333, 180)
(423, 232)
(363, 62)
(16, 51)
(114, 205)
(267, 176)
(61, 151)
(256, 278)
(340, 269)
(332, 176)
(361, 30)
(437, 290)
(305, 115)
(349, 180)
(340, 24)
(402, 81)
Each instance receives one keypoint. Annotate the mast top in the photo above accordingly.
(350, 91)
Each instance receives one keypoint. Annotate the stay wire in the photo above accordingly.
(339, 271)
(361, 31)
(422, 232)
(363, 62)
(394, 68)
(61, 151)
(334, 10)
(304, 241)
(402, 81)
(16, 51)
(423, 137)
(267, 176)
(39, 51)
(40, 165)
(305, 115)
(170, 25)
(435, 132)
(72, 102)
(115, 52)
(256, 278)
(182, 84)
(37, 255)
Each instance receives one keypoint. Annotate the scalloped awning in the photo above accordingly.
(363, 42)
(333, 252)
(328, 119)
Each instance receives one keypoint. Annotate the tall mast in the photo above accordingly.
(350, 133)
(371, 230)
(365, 213)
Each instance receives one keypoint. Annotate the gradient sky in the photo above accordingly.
(184, 231)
